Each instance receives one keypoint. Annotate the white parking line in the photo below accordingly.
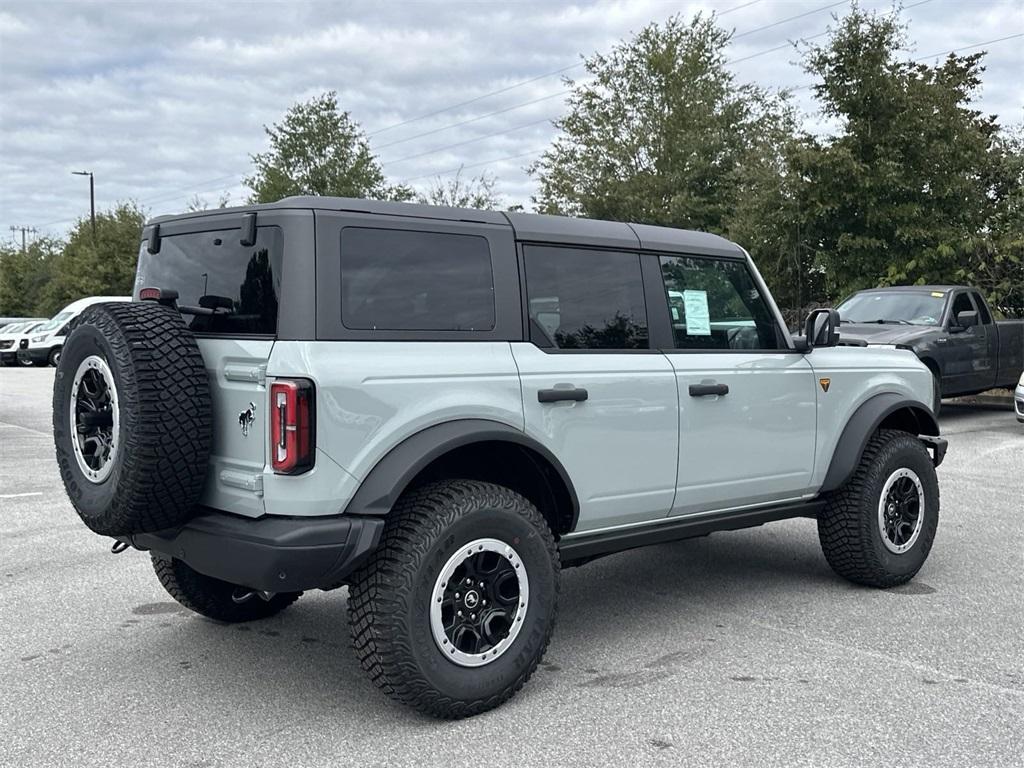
(19, 495)
(6, 425)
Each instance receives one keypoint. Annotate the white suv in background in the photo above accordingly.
(43, 346)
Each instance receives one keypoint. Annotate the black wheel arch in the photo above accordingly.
(885, 410)
(475, 449)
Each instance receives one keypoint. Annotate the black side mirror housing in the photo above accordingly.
(820, 330)
(966, 319)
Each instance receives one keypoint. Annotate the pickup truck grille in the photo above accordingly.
(7, 344)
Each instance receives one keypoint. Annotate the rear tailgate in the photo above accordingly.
(229, 289)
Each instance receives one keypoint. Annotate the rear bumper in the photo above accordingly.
(272, 554)
(37, 355)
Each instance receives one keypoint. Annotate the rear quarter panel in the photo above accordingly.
(371, 395)
(855, 374)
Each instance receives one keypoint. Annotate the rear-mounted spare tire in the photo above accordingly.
(132, 419)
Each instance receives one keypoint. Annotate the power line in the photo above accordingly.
(474, 165)
(520, 84)
(935, 55)
(468, 141)
(791, 18)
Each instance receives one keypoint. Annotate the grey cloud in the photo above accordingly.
(166, 100)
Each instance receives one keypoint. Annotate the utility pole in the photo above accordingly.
(24, 231)
(92, 198)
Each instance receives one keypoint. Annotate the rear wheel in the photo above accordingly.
(455, 609)
(878, 528)
(214, 598)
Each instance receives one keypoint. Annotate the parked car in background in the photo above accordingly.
(1018, 399)
(949, 327)
(43, 346)
(11, 334)
(9, 321)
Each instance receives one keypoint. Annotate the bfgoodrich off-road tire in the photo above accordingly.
(852, 527)
(141, 441)
(212, 597)
(390, 601)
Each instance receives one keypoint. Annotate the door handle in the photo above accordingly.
(702, 390)
(576, 394)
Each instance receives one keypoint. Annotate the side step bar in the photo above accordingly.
(587, 547)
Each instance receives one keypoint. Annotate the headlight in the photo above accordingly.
(37, 339)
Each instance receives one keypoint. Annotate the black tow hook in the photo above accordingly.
(119, 546)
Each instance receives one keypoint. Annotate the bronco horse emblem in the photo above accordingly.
(246, 418)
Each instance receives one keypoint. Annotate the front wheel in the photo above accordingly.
(54, 357)
(455, 609)
(878, 529)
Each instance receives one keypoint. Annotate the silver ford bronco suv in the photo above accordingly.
(441, 408)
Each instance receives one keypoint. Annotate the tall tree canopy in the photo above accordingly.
(24, 276)
(912, 174)
(317, 149)
(662, 133)
(97, 265)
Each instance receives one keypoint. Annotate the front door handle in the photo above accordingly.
(702, 390)
(576, 394)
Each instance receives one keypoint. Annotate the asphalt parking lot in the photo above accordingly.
(736, 649)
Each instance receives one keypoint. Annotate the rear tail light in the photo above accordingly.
(292, 420)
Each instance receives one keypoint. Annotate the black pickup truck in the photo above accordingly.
(949, 327)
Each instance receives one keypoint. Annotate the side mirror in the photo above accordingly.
(820, 330)
(967, 318)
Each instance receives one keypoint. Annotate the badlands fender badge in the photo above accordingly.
(246, 419)
(825, 384)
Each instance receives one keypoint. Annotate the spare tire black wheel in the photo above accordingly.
(132, 418)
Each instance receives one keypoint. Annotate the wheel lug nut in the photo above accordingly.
(472, 616)
(457, 595)
(460, 613)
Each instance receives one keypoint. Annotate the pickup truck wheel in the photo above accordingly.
(132, 418)
(455, 609)
(878, 529)
(214, 598)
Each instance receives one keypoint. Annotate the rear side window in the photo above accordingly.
(580, 299)
(715, 304)
(240, 285)
(404, 280)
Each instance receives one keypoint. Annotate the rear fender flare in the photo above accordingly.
(392, 474)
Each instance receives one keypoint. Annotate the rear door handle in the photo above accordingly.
(576, 394)
(702, 390)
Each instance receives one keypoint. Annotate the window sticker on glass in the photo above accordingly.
(698, 322)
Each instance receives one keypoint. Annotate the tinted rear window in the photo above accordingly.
(404, 280)
(241, 284)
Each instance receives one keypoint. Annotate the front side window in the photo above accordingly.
(580, 299)
(715, 304)
(404, 280)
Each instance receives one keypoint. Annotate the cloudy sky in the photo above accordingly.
(166, 100)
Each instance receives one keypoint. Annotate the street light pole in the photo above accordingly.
(92, 198)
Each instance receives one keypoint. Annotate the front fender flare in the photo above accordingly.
(862, 424)
(392, 474)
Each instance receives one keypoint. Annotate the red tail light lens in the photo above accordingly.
(292, 419)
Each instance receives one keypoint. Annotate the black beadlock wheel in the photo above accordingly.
(455, 609)
(878, 529)
(131, 418)
(214, 598)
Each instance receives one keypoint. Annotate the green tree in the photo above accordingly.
(912, 175)
(662, 133)
(317, 149)
(477, 192)
(25, 275)
(97, 265)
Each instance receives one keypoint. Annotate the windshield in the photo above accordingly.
(55, 322)
(899, 307)
(12, 328)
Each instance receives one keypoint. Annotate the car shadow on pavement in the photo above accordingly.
(304, 656)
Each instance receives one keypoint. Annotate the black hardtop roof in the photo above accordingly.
(527, 226)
